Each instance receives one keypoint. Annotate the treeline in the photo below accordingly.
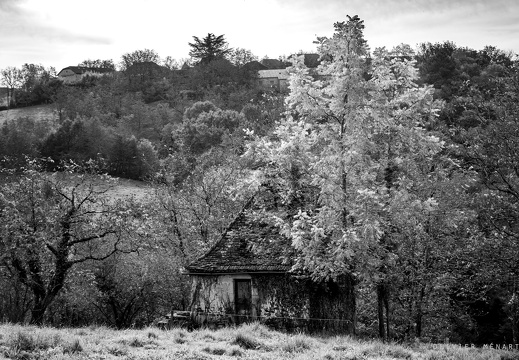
(395, 167)
(127, 121)
(31, 84)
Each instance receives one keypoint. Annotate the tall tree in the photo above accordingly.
(350, 156)
(210, 48)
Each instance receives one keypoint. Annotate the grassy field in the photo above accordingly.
(253, 341)
(38, 112)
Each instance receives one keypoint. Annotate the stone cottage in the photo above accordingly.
(235, 277)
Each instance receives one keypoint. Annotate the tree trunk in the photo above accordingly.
(380, 303)
(386, 305)
(38, 312)
(419, 313)
(383, 304)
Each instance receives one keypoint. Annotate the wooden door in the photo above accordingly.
(242, 299)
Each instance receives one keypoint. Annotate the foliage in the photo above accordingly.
(131, 158)
(98, 63)
(360, 175)
(21, 139)
(55, 222)
(138, 56)
(240, 56)
(30, 85)
(195, 211)
(80, 140)
(209, 48)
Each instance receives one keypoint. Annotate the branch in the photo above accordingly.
(90, 238)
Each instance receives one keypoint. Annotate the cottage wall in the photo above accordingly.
(282, 301)
(276, 298)
(68, 76)
(215, 293)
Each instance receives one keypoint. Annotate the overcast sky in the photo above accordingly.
(60, 33)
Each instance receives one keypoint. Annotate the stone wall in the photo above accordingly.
(282, 301)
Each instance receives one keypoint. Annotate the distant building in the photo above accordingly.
(276, 79)
(273, 73)
(74, 74)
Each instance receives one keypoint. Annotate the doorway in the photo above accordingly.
(242, 299)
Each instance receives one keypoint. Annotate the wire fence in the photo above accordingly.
(281, 322)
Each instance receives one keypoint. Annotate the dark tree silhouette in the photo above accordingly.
(209, 48)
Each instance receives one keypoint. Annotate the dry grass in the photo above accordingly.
(253, 341)
(38, 112)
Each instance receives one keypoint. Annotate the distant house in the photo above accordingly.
(74, 74)
(276, 79)
(273, 73)
(235, 278)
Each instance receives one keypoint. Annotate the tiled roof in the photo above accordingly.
(273, 63)
(254, 66)
(234, 251)
(281, 74)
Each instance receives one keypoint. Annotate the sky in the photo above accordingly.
(63, 33)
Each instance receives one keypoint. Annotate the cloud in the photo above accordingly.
(19, 24)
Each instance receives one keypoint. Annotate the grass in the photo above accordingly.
(38, 112)
(252, 341)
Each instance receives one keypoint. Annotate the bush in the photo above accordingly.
(246, 341)
(73, 347)
(296, 344)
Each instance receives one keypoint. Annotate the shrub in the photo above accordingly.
(246, 341)
(296, 344)
(214, 351)
(73, 347)
(234, 351)
(22, 341)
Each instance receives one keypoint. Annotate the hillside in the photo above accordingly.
(37, 112)
(253, 341)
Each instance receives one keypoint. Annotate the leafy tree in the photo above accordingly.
(22, 138)
(193, 213)
(124, 158)
(12, 78)
(198, 108)
(209, 48)
(351, 156)
(125, 290)
(98, 63)
(488, 281)
(80, 141)
(206, 127)
(139, 56)
(241, 56)
(54, 222)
